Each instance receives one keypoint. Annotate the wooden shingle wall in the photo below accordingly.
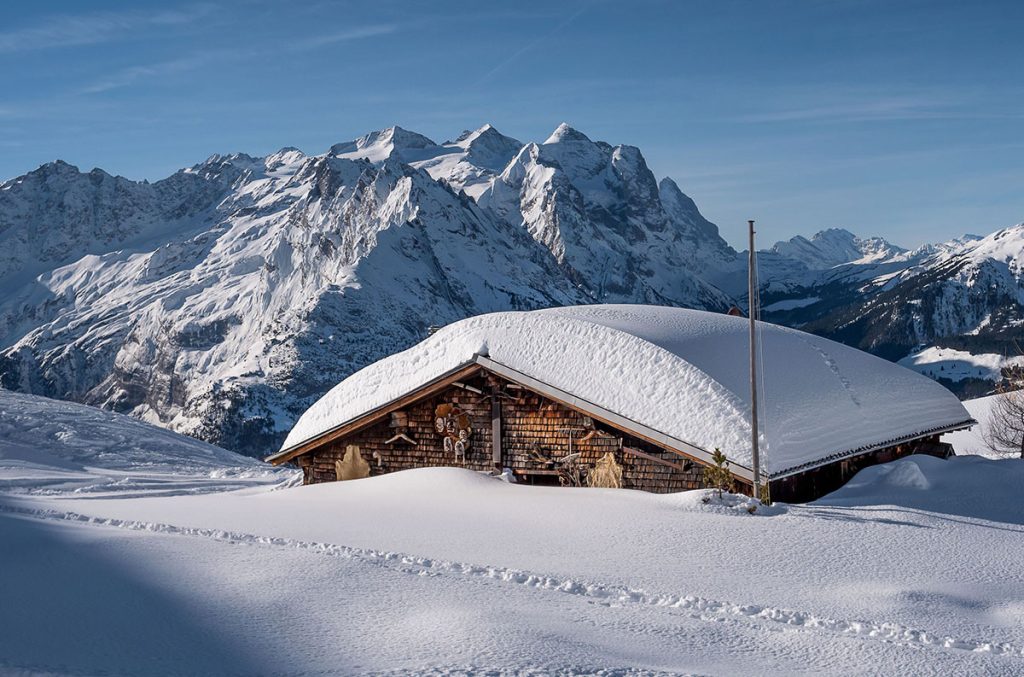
(318, 466)
(537, 427)
(535, 438)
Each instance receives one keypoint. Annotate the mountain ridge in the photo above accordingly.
(222, 300)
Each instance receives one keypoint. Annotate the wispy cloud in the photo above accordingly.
(348, 35)
(141, 73)
(73, 30)
(880, 107)
(133, 74)
(530, 45)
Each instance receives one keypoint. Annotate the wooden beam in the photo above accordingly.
(655, 459)
(496, 455)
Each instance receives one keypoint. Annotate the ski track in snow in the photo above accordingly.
(610, 595)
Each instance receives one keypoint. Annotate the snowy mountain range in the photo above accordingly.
(222, 300)
(966, 294)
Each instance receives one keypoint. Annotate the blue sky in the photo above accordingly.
(902, 119)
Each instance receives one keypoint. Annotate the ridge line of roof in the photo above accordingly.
(727, 394)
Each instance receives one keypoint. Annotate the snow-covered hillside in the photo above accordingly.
(223, 300)
(966, 295)
(52, 445)
(909, 570)
(957, 365)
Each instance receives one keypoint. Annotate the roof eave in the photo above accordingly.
(867, 449)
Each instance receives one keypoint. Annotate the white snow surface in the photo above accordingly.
(790, 304)
(957, 365)
(75, 446)
(681, 372)
(911, 569)
(972, 441)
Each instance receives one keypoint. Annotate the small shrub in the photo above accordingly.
(718, 476)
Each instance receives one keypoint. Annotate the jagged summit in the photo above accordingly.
(471, 161)
(834, 246)
(566, 133)
(377, 146)
(488, 148)
(468, 135)
(57, 166)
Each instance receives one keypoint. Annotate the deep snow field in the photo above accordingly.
(130, 550)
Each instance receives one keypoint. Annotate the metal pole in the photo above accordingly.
(751, 295)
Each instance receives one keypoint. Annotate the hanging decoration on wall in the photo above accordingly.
(571, 473)
(353, 466)
(606, 473)
(454, 427)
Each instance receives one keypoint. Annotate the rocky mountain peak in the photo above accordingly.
(565, 133)
(832, 247)
(225, 298)
(376, 146)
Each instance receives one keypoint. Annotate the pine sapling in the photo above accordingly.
(717, 476)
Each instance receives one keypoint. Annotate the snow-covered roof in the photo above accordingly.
(682, 373)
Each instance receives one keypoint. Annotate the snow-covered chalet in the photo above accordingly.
(629, 396)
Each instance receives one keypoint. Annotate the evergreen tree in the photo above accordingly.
(718, 476)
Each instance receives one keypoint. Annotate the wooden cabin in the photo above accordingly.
(562, 397)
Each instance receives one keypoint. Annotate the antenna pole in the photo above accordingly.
(751, 304)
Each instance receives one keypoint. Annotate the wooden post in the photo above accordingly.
(496, 429)
(751, 295)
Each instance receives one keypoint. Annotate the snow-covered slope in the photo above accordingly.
(966, 294)
(223, 300)
(48, 443)
(958, 365)
(912, 569)
(599, 210)
(961, 298)
(834, 246)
